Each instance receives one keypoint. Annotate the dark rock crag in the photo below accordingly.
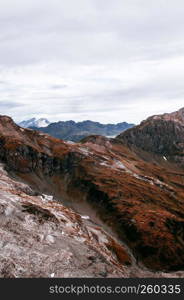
(160, 134)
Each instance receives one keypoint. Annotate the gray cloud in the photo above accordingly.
(58, 86)
(104, 60)
(9, 105)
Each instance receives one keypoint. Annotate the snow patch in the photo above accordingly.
(47, 197)
(119, 165)
(70, 142)
(85, 151)
(104, 163)
(114, 165)
(110, 136)
(85, 217)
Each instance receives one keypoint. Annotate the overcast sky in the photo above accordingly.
(103, 60)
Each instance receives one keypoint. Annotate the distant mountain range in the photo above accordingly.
(75, 131)
(42, 122)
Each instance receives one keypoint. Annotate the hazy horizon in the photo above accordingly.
(105, 61)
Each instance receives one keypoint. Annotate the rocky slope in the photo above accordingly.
(161, 134)
(136, 197)
(74, 131)
(42, 238)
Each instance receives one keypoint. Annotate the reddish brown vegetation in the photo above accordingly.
(138, 194)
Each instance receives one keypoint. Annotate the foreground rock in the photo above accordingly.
(41, 238)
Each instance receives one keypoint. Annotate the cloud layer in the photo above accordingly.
(108, 61)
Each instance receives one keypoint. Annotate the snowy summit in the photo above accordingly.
(35, 123)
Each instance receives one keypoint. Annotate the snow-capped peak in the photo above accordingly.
(42, 122)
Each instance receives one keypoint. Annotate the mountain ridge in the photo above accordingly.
(41, 122)
(75, 131)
